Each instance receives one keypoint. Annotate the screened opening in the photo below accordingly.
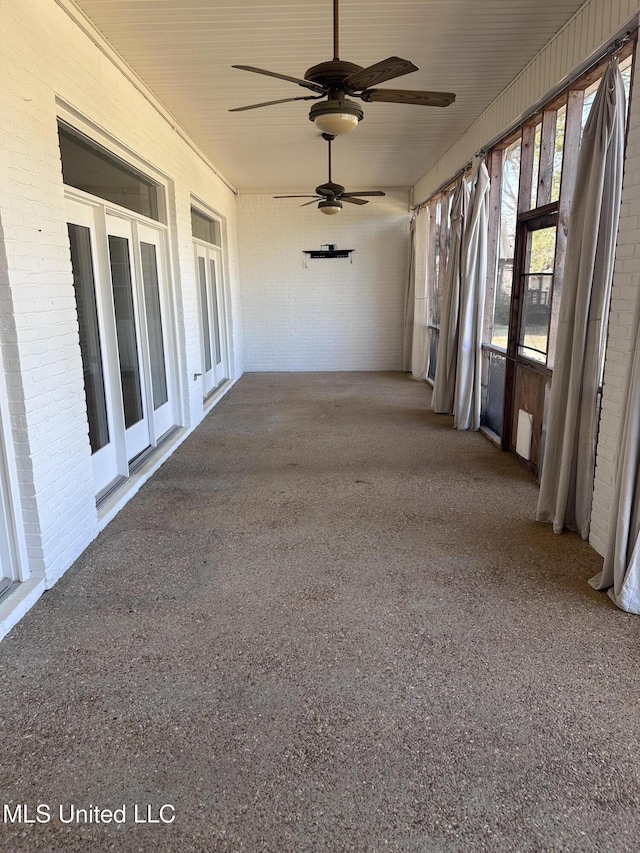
(537, 291)
(88, 167)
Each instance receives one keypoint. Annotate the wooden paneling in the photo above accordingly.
(529, 394)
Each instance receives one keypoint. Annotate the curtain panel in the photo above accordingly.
(410, 296)
(621, 572)
(467, 397)
(420, 336)
(568, 469)
(447, 358)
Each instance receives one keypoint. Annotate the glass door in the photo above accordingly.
(8, 573)
(126, 306)
(93, 324)
(212, 314)
(155, 321)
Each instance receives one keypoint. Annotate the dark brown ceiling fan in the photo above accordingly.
(331, 195)
(339, 81)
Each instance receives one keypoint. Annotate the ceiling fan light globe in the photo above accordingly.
(336, 123)
(336, 117)
(330, 206)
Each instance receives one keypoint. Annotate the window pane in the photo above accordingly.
(154, 324)
(126, 329)
(589, 97)
(204, 228)
(92, 169)
(625, 70)
(561, 119)
(538, 283)
(433, 354)
(492, 416)
(204, 311)
(216, 317)
(506, 243)
(536, 166)
(84, 286)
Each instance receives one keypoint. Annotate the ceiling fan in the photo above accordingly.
(331, 195)
(338, 81)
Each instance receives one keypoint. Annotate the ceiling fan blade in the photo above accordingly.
(307, 203)
(407, 96)
(270, 103)
(315, 87)
(306, 195)
(368, 192)
(353, 200)
(388, 69)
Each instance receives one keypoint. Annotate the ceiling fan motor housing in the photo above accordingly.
(332, 74)
(330, 189)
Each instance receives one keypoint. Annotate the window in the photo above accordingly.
(86, 166)
(205, 229)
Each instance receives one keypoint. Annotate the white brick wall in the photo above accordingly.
(47, 59)
(333, 315)
(624, 300)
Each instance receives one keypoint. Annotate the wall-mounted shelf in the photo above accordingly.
(337, 253)
(330, 252)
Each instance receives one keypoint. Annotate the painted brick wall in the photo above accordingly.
(624, 302)
(333, 315)
(47, 58)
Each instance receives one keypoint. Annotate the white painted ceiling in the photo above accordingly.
(184, 50)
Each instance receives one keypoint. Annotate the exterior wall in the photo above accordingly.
(625, 300)
(333, 314)
(49, 60)
(592, 27)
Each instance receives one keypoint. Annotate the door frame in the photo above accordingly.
(135, 228)
(218, 373)
(528, 222)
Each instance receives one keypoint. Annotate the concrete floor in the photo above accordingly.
(329, 623)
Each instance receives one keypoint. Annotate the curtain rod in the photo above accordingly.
(622, 37)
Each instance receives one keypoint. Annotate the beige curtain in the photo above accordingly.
(420, 337)
(621, 572)
(566, 485)
(467, 398)
(410, 295)
(447, 358)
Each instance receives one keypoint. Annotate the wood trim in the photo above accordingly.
(526, 167)
(540, 213)
(495, 173)
(494, 350)
(547, 150)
